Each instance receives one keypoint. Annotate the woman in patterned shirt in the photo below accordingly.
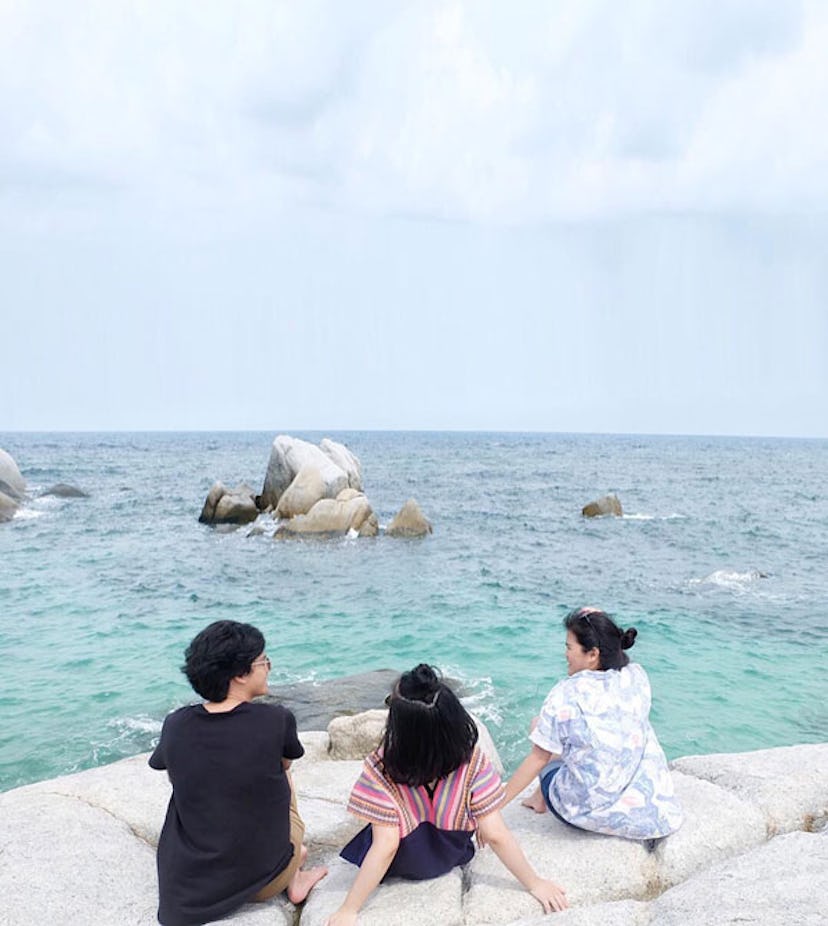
(424, 792)
(599, 763)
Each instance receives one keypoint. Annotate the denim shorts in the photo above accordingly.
(547, 773)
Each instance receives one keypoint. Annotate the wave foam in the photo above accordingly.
(726, 578)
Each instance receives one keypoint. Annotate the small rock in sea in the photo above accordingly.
(606, 505)
(62, 490)
(229, 506)
(409, 522)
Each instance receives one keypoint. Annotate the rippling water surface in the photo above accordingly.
(719, 561)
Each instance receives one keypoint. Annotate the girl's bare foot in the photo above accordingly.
(302, 883)
(535, 801)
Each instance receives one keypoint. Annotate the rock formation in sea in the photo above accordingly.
(337, 467)
(309, 490)
(753, 849)
(606, 505)
(12, 486)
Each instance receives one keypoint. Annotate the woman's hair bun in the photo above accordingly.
(420, 683)
(425, 675)
(628, 637)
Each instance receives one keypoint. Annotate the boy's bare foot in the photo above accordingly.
(302, 883)
(535, 801)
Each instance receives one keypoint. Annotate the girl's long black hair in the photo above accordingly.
(429, 733)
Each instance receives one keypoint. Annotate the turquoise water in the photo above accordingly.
(99, 596)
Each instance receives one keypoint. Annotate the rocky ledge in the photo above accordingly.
(754, 849)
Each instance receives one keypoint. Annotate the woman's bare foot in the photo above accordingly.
(301, 884)
(535, 801)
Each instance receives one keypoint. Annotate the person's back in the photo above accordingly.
(613, 776)
(227, 831)
(424, 794)
(232, 832)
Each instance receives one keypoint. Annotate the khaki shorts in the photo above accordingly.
(297, 836)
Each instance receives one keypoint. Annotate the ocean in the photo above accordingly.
(720, 561)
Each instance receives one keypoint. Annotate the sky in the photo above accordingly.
(593, 216)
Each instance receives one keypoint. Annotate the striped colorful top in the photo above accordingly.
(470, 791)
(435, 829)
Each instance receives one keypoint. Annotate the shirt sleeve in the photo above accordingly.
(370, 799)
(292, 749)
(158, 758)
(487, 791)
(546, 733)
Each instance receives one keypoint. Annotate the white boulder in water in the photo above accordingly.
(12, 486)
(339, 515)
(338, 467)
(307, 488)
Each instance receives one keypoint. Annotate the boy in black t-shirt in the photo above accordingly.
(232, 832)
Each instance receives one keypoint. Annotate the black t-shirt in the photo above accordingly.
(227, 830)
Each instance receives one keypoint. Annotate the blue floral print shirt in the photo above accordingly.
(614, 777)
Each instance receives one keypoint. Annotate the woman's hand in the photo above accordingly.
(551, 896)
(342, 918)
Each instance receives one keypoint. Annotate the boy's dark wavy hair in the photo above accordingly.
(429, 733)
(594, 628)
(218, 654)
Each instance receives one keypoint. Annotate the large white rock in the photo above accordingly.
(395, 902)
(788, 784)
(8, 507)
(782, 883)
(592, 868)
(717, 824)
(12, 486)
(302, 494)
(354, 736)
(345, 460)
(129, 790)
(288, 456)
(80, 849)
(612, 913)
(333, 516)
(15, 484)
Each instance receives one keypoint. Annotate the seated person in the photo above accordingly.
(232, 832)
(424, 793)
(599, 763)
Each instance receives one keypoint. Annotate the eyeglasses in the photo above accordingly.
(261, 662)
(585, 614)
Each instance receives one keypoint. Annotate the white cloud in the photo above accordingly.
(469, 111)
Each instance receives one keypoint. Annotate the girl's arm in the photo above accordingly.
(527, 771)
(497, 835)
(385, 840)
